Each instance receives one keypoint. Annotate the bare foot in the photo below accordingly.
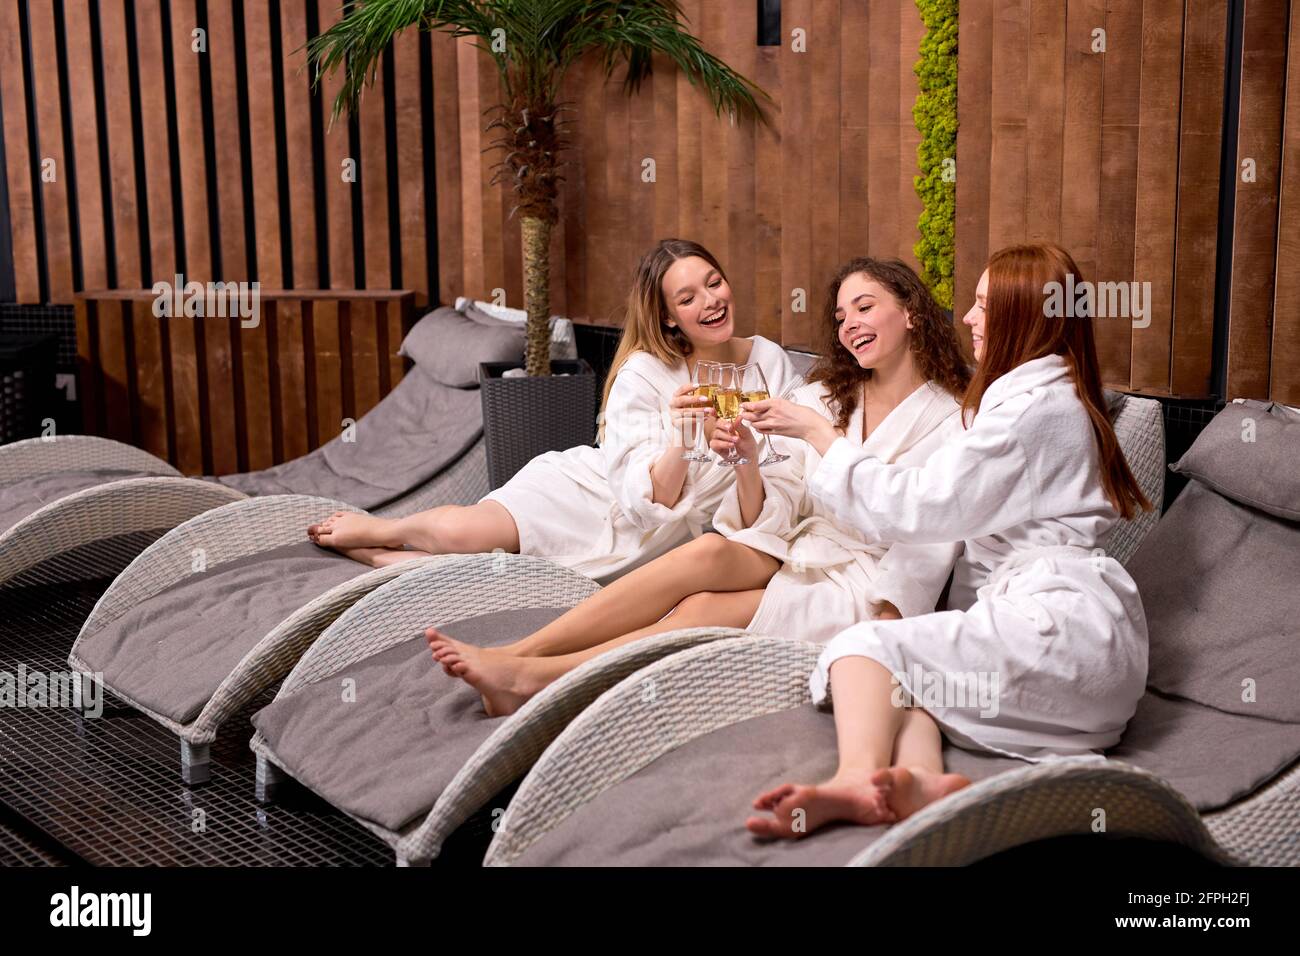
(505, 682)
(907, 789)
(346, 530)
(798, 809)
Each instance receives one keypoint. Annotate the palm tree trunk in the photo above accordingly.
(537, 293)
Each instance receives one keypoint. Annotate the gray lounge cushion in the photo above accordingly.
(419, 428)
(1219, 586)
(24, 496)
(387, 755)
(171, 652)
(688, 807)
(449, 345)
(1263, 473)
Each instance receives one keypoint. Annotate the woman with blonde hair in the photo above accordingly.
(605, 509)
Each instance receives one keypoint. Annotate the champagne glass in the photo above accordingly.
(755, 389)
(726, 402)
(704, 378)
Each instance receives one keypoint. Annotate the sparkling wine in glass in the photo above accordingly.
(704, 379)
(756, 390)
(726, 402)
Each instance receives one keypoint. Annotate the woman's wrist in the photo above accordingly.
(821, 436)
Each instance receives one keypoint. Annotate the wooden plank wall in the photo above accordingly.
(1263, 335)
(225, 164)
(781, 205)
(219, 164)
(1114, 154)
(1284, 379)
(214, 397)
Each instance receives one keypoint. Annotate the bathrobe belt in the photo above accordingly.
(1001, 575)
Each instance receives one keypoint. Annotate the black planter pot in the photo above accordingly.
(524, 417)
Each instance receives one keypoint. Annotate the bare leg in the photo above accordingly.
(642, 597)
(867, 725)
(451, 529)
(507, 682)
(917, 777)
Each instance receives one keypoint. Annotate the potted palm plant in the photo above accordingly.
(533, 43)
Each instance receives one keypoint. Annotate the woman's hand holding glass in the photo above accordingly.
(691, 408)
(779, 416)
(732, 439)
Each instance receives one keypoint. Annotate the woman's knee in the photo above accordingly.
(455, 530)
(709, 546)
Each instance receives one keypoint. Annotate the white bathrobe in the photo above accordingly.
(592, 509)
(1046, 654)
(831, 576)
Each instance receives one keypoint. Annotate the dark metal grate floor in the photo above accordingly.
(108, 789)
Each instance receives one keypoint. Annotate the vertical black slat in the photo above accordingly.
(132, 376)
(394, 177)
(281, 150)
(241, 400)
(769, 22)
(201, 367)
(309, 370)
(318, 169)
(169, 390)
(245, 145)
(358, 206)
(69, 171)
(173, 141)
(8, 280)
(101, 118)
(271, 318)
(381, 346)
(345, 356)
(34, 141)
(1228, 173)
(132, 54)
(95, 385)
(430, 171)
(209, 146)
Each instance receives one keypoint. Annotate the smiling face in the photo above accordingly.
(699, 301)
(977, 315)
(871, 323)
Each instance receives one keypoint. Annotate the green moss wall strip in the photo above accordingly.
(935, 114)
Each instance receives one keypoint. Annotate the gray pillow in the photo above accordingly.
(449, 346)
(1217, 580)
(1263, 473)
(564, 345)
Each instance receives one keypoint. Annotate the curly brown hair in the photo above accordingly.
(932, 338)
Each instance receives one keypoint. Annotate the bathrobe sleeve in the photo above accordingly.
(637, 433)
(977, 484)
(911, 576)
(785, 496)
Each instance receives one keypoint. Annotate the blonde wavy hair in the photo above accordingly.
(645, 322)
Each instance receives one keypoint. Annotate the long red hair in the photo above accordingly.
(1018, 329)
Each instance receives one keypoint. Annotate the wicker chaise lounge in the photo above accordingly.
(479, 756)
(262, 647)
(1223, 674)
(623, 756)
(78, 506)
(420, 447)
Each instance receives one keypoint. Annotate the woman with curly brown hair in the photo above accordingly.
(890, 381)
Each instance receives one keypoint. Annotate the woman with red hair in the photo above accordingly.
(1043, 652)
